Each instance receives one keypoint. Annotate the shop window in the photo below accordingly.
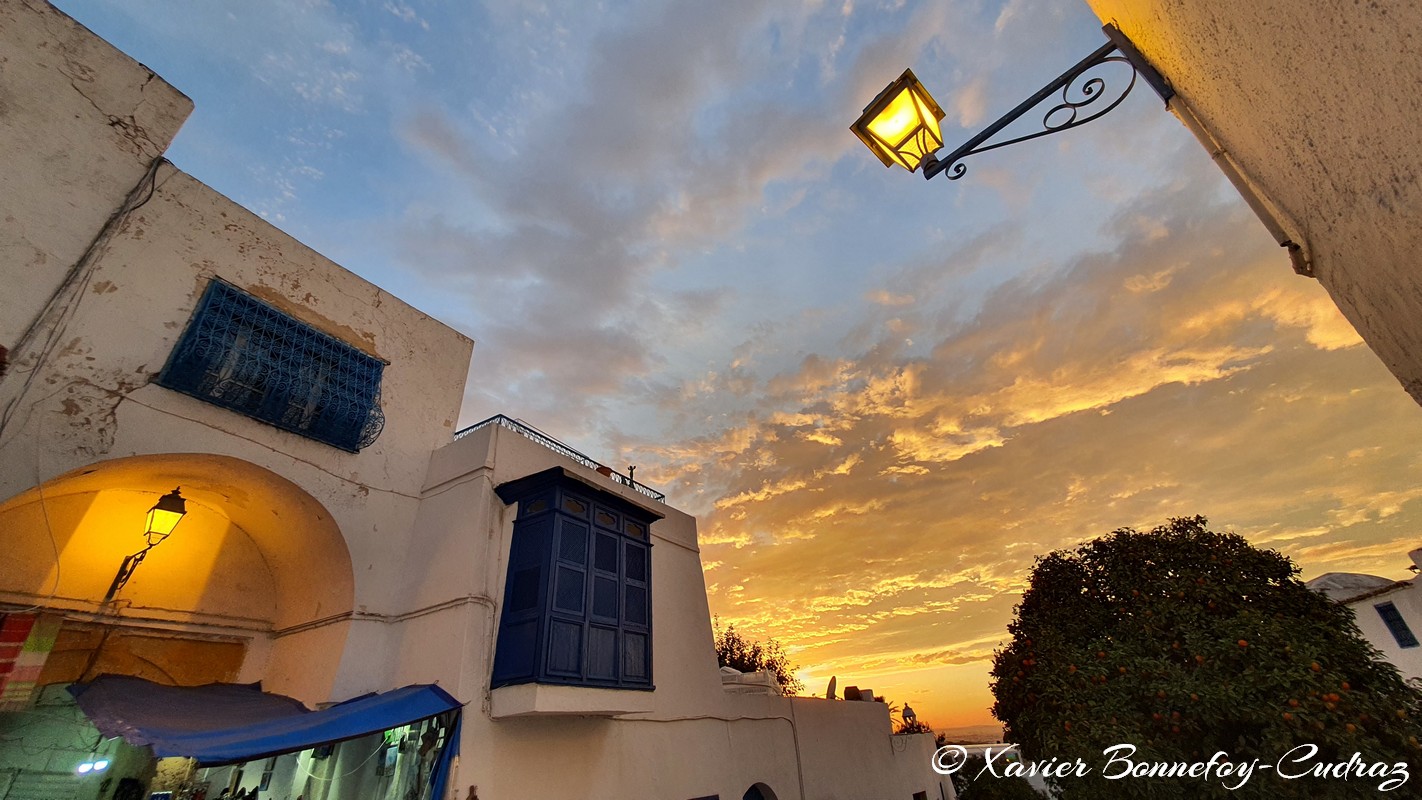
(577, 597)
(1396, 625)
(247, 356)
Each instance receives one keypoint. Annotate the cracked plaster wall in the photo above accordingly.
(80, 124)
(1319, 104)
(93, 398)
(88, 120)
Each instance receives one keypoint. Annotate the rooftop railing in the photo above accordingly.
(561, 449)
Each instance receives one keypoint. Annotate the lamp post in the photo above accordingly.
(163, 517)
(900, 125)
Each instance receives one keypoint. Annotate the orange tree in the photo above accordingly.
(1184, 642)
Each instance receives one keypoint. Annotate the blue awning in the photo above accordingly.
(225, 723)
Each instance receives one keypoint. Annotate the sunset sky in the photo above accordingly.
(882, 397)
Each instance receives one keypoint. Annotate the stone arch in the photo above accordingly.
(759, 791)
(255, 555)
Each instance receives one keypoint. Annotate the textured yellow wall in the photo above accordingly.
(1318, 105)
(84, 651)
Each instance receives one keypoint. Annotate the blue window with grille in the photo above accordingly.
(577, 597)
(247, 356)
(1396, 625)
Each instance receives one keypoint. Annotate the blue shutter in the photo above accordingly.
(577, 600)
(1396, 625)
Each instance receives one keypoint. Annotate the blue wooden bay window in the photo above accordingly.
(577, 597)
(249, 357)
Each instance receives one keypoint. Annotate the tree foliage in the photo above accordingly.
(1185, 642)
(747, 655)
(902, 728)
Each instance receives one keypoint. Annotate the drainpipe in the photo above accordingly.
(1266, 212)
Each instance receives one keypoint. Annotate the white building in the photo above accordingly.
(1389, 613)
(339, 537)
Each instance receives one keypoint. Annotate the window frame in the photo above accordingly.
(243, 354)
(1396, 625)
(550, 511)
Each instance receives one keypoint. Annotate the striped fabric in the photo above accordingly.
(25, 643)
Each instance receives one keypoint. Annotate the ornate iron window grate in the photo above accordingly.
(245, 355)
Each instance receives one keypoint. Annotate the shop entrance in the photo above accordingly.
(251, 585)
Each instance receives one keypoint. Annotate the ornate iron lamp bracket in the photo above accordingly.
(1088, 101)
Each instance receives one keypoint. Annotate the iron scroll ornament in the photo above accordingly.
(1067, 113)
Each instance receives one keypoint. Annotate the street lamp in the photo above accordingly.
(163, 517)
(900, 125)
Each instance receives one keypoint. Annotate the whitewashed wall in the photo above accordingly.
(1316, 105)
(695, 741)
(347, 573)
(116, 117)
(73, 152)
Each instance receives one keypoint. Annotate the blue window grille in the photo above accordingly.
(245, 355)
(577, 599)
(1396, 625)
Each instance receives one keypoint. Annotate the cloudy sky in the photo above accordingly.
(883, 397)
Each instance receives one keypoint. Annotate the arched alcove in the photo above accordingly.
(255, 554)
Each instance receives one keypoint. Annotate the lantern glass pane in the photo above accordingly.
(162, 521)
(898, 121)
(911, 152)
(930, 122)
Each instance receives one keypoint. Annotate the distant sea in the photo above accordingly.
(973, 734)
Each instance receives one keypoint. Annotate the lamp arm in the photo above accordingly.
(1065, 114)
(125, 571)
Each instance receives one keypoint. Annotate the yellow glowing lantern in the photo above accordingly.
(165, 516)
(901, 124)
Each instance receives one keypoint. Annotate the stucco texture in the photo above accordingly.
(1317, 104)
(115, 117)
